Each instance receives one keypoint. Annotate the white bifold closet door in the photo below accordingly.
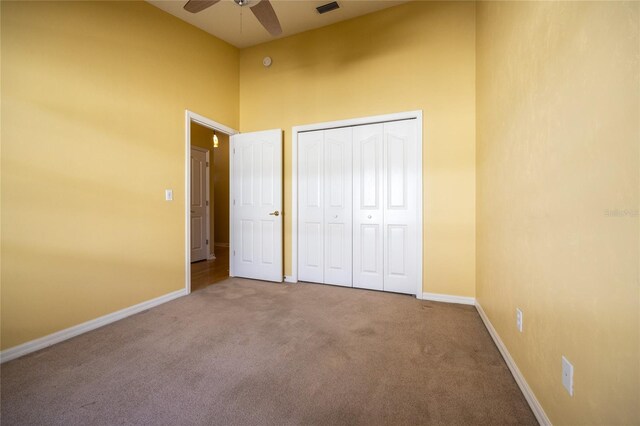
(368, 219)
(325, 206)
(311, 206)
(400, 194)
(385, 218)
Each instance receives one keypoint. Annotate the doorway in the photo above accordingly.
(255, 216)
(207, 200)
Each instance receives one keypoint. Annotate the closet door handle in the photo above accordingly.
(276, 213)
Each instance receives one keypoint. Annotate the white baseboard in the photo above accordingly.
(515, 371)
(68, 333)
(447, 298)
(289, 279)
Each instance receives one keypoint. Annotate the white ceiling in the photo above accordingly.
(239, 27)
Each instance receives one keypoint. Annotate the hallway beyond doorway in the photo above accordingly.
(209, 272)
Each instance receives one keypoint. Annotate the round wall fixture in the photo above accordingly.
(266, 61)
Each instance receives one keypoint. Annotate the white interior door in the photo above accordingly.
(199, 203)
(257, 205)
(368, 207)
(400, 207)
(338, 206)
(311, 206)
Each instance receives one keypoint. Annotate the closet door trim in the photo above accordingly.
(296, 130)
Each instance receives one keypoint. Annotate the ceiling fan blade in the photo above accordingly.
(267, 17)
(195, 6)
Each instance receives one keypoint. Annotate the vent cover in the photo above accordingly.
(328, 7)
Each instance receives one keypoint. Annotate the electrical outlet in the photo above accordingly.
(519, 319)
(567, 375)
(168, 194)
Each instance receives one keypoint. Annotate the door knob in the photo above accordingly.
(369, 217)
(276, 213)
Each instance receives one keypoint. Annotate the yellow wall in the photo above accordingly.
(558, 116)
(221, 182)
(203, 137)
(416, 56)
(92, 127)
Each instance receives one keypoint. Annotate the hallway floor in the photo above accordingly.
(207, 272)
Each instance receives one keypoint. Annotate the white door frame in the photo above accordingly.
(207, 191)
(190, 117)
(407, 115)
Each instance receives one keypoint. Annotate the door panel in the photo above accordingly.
(246, 154)
(257, 182)
(197, 240)
(313, 252)
(397, 242)
(338, 206)
(370, 172)
(367, 209)
(335, 247)
(246, 240)
(310, 206)
(267, 174)
(400, 207)
(396, 169)
(370, 242)
(199, 230)
(268, 249)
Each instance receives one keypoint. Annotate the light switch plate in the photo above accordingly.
(567, 375)
(168, 194)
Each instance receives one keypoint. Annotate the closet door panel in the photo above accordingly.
(311, 227)
(368, 206)
(338, 206)
(400, 207)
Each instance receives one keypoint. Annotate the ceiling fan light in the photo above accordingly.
(262, 10)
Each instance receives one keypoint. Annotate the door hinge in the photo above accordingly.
(207, 242)
(234, 252)
(207, 202)
(234, 151)
(207, 164)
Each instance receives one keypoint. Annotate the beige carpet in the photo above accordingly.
(252, 353)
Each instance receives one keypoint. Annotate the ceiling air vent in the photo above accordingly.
(328, 7)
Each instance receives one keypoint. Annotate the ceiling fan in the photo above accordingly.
(262, 9)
